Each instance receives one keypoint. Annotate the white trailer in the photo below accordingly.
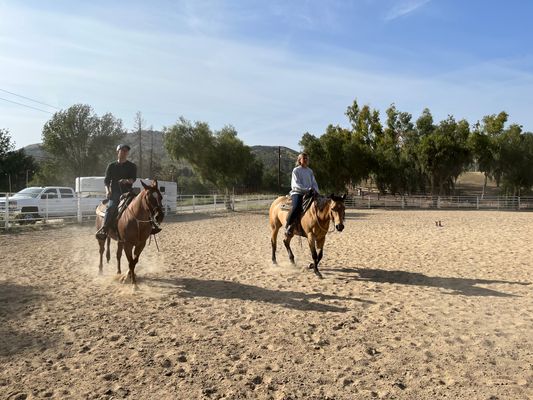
(94, 186)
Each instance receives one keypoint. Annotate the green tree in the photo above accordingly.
(517, 160)
(16, 168)
(79, 142)
(220, 158)
(444, 152)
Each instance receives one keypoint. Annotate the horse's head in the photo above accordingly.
(154, 200)
(336, 210)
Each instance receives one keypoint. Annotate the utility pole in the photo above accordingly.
(139, 122)
(279, 169)
(151, 153)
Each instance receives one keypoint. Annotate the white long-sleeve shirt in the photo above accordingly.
(302, 180)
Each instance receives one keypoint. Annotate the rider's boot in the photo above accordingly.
(102, 233)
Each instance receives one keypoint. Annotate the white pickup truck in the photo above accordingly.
(35, 203)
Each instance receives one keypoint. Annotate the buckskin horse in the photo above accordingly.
(133, 228)
(314, 225)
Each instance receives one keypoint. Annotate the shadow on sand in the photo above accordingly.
(16, 302)
(458, 286)
(217, 289)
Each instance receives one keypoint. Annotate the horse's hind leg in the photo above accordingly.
(287, 243)
(273, 241)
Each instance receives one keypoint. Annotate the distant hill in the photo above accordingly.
(152, 141)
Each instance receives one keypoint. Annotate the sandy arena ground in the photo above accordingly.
(406, 310)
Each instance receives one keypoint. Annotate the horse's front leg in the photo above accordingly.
(137, 252)
(101, 244)
(311, 240)
(120, 247)
(287, 243)
(128, 250)
(320, 246)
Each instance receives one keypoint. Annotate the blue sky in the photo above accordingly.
(272, 69)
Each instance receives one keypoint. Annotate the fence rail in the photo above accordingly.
(10, 218)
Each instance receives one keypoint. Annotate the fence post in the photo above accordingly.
(518, 203)
(477, 202)
(193, 203)
(46, 209)
(215, 201)
(80, 217)
(6, 221)
(368, 201)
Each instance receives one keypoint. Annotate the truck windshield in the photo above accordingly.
(29, 192)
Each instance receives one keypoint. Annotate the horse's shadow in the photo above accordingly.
(457, 286)
(218, 289)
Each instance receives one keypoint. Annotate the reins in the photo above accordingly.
(318, 220)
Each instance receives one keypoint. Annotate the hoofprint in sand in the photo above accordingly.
(406, 310)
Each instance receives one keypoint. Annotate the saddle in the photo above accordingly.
(306, 203)
(124, 202)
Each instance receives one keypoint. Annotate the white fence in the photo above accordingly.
(442, 202)
(10, 219)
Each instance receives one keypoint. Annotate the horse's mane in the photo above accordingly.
(321, 202)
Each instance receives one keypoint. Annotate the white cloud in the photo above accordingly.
(403, 8)
(269, 93)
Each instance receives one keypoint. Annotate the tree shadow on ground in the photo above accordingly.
(458, 286)
(217, 289)
(16, 302)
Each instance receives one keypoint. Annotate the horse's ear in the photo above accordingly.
(343, 196)
(154, 183)
(144, 185)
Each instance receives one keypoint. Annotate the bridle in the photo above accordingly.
(153, 210)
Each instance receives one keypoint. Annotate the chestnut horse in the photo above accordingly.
(314, 224)
(133, 228)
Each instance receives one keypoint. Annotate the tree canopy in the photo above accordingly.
(80, 143)
(219, 157)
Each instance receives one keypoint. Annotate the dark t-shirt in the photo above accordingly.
(116, 171)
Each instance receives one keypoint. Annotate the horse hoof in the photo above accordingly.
(311, 266)
(274, 262)
(319, 274)
(100, 272)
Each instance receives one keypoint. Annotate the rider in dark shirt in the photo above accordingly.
(119, 178)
